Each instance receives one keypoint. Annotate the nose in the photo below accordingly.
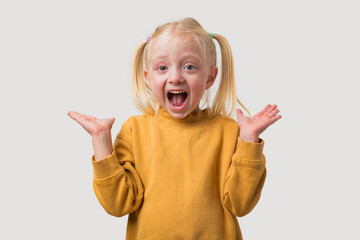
(175, 76)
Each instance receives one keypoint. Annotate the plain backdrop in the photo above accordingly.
(60, 56)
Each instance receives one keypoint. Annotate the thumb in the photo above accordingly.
(107, 122)
(239, 114)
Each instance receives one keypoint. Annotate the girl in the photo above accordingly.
(180, 171)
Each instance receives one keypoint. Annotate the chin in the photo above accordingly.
(178, 115)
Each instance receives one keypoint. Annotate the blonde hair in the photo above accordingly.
(188, 31)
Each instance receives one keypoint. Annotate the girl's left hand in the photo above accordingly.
(252, 127)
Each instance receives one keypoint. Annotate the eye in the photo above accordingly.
(189, 67)
(162, 68)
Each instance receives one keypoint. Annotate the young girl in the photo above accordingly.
(180, 171)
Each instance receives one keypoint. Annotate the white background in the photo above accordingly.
(60, 56)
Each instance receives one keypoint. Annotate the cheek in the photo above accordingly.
(198, 92)
(157, 88)
(199, 87)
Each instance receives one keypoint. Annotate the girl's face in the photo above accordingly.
(178, 77)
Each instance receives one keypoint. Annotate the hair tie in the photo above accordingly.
(211, 35)
(148, 39)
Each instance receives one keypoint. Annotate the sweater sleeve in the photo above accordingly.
(245, 178)
(117, 184)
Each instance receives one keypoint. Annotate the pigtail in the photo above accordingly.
(225, 98)
(141, 92)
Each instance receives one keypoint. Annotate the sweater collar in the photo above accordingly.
(199, 118)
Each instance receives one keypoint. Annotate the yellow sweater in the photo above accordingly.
(180, 178)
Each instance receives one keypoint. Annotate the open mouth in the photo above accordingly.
(177, 98)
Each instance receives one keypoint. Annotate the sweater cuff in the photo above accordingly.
(250, 150)
(105, 167)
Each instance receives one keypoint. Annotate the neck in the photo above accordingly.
(196, 118)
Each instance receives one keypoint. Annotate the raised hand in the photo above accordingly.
(252, 127)
(92, 125)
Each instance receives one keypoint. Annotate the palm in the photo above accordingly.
(92, 124)
(258, 123)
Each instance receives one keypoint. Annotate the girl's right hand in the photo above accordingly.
(92, 125)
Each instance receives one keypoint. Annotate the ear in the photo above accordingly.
(211, 77)
(146, 75)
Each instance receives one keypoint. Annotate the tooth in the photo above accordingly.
(177, 92)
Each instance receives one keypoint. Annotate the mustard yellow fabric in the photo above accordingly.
(180, 179)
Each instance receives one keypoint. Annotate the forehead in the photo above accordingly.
(164, 45)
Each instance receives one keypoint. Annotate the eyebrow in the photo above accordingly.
(183, 57)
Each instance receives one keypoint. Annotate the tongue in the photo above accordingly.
(178, 99)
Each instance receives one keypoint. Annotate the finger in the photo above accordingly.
(90, 117)
(273, 113)
(74, 115)
(79, 116)
(82, 119)
(263, 111)
(270, 109)
(275, 118)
